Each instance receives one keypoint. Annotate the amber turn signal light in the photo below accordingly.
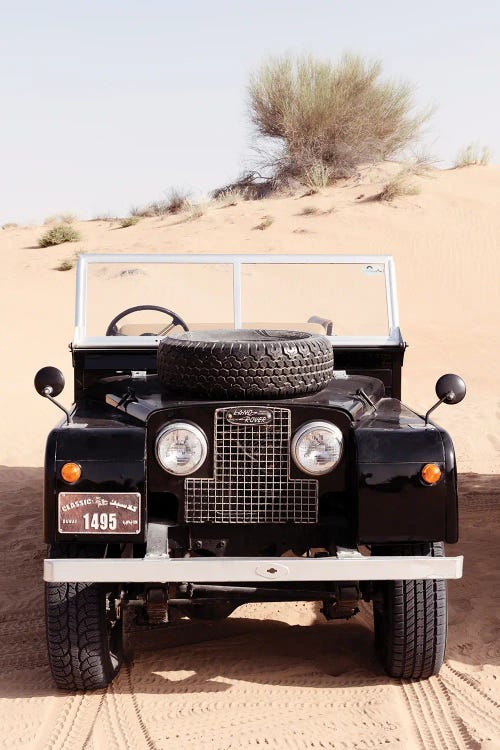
(431, 473)
(71, 473)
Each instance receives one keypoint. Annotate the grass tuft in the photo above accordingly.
(230, 197)
(473, 155)
(10, 225)
(251, 186)
(319, 175)
(195, 211)
(309, 211)
(65, 265)
(397, 187)
(175, 202)
(68, 263)
(265, 223)
(59, 234)
(129, 221)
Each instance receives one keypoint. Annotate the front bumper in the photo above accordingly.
(341, 567)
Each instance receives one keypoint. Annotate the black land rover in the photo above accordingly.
(247, 443)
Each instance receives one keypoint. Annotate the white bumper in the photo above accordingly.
(353, 567)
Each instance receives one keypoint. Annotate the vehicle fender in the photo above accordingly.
(394, 503)
(112, 459)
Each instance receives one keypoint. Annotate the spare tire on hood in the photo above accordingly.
(245, 364)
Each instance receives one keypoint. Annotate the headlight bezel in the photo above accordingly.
(310, 426)
(195, 430)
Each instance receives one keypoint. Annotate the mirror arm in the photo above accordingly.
(450, 394)
(47, 393)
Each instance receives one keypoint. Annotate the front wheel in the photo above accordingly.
(410, 619)
(84, 630)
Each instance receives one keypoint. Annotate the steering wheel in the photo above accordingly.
(112, 329)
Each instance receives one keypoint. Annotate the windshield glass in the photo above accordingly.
(324, 294)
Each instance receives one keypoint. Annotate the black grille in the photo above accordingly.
(251, 481)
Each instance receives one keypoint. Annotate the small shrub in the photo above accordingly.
(175, 202)
(129, 221)
(318, 175)
(251, 185)
(473, 155)
(58, 235)
(265, 223)
(397, 187)
(196, 211)
(63, 218)
(150, 210)
(309, 211)
(68, 263)
(10, 225)
(230, 197)
(65, 265)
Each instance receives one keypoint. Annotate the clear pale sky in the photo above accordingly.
(109, 104)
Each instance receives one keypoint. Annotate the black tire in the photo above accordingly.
(410, 620)
(245, 364)
(84, 639)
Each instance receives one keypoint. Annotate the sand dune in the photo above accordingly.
(276, 675)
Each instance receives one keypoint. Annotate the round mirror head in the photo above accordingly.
(49, 377)
(450, 388)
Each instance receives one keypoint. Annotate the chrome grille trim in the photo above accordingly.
(251, 481)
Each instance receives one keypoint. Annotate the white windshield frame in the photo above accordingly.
(237, 261)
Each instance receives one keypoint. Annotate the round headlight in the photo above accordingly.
(317, 447)
(181, 448)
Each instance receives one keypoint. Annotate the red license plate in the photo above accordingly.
(103, 513)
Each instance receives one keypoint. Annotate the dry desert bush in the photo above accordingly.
(229, 197)
(264, 224)
(195, 211)
(10, 225)
(473, 155)
(401, 184)
(318, 121)
(318, 175)
(309, 211)
(129, 221)
(250, 185)
(66, 264)
(58, 234)
(174, 203)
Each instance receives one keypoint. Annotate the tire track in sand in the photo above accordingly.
(473, 700)
(97, 720)
(129, 729)
(436, 721)
(69, 727)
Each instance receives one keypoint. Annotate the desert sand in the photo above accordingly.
(274, 675)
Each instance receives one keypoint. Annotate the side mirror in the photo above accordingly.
(49, 381)
(450, 389)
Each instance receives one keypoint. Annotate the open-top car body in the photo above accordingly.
(237, 435)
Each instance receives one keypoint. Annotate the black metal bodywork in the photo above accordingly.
(374, 496)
